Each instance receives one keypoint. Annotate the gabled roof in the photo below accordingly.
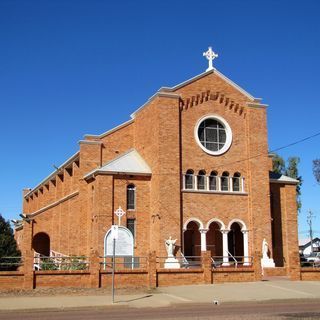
(203, 74)
(280, 178)
(128, 163)
(170, 90)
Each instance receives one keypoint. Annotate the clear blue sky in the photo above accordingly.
(68, 68)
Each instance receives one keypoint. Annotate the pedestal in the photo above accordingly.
(172, 263)
(267, 263)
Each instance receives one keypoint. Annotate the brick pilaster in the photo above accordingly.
(207, 266)
(152, 270)
(94, 268)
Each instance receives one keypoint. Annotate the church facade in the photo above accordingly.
(192, 163)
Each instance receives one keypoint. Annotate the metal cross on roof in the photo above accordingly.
(210, 55)
(119, 213)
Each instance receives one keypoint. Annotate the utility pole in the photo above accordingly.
(309, 221)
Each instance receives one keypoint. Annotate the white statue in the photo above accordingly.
(170, 245)
(171, 262)
(265, 249)
(266, 262)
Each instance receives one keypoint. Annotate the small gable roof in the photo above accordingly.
(280, 178)
(129, 162)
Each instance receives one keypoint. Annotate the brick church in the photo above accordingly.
(192, 163)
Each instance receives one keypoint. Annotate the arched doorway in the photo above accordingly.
(41, 243)
(214, 239)
(235, 241)
(192, 239)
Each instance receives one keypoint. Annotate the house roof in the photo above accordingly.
(304, 243)
(280, 178)
(130, 162)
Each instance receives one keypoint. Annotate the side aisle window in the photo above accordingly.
(131, 197)
(131, 225)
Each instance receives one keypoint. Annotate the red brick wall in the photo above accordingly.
(236, 275)
(11, 280)
(125, 279)
(167, 277)
(309, 274)
(58, 279)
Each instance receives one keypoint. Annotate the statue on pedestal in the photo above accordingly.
(266, 262)
(170, 245)
(171, 262)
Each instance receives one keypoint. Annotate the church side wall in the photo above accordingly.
(117, 143)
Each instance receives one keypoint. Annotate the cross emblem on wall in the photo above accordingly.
(119, 213)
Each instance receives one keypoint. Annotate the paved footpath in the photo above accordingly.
(166, 296)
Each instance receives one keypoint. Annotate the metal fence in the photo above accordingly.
(61, 263)
(310, 264)
(186, 262)
(123, 262)
(231, 261)
(10, 263)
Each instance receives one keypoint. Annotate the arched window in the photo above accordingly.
(201, 181)
(225, 181)
(213, 180)
(236, 186)
(131, 197)
(189, 179)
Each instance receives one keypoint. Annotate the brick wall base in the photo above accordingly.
(137, 278)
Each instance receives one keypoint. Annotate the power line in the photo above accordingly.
(296, 142)
(263, 154)
(274, 150)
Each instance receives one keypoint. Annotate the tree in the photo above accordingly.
(316, 169)
(8, 247)
(289, 169)
(278, 164)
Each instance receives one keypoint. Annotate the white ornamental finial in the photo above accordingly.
(210, 55)
(119, 213)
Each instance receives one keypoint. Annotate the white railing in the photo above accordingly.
(234, 259)
(235, 262)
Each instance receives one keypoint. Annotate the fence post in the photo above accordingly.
(206, 266)
(152, 270)
(29, 281)
(94, 268)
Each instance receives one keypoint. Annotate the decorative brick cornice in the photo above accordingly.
(219, 97)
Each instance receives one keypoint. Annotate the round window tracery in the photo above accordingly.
(213, 134)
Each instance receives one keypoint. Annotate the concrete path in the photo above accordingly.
(221, 293)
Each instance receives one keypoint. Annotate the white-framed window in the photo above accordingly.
(189, 179)
(236, 182)
(213, 134)
(201, 180)
(131, 197)
(213, 181)
(225, 181)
